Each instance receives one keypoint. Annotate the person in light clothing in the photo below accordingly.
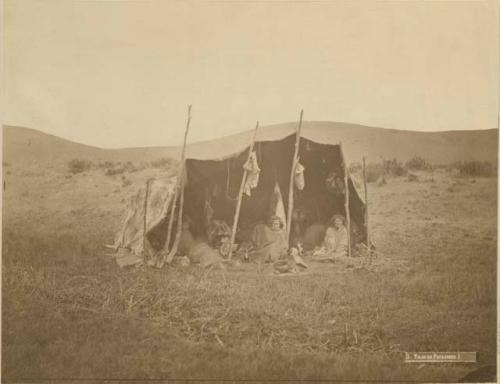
(336, 240)
(269, 240)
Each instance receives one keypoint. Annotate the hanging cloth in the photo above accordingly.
(277, 205)
(253, 170)
(299, 176)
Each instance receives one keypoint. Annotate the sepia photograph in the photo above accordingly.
(249, 191)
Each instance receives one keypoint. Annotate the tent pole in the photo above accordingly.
(240, 196)
(173, 205)
(173, 251)
(346, 200)
(165, 250)
(366, 206)
(170, 222)
(144, 228)
(175, 246)
(292, 177)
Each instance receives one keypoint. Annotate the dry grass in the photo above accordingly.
(68, 311)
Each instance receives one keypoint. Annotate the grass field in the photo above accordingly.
(69, 312)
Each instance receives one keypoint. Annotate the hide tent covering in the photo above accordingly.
(131, 234)
(213, 174)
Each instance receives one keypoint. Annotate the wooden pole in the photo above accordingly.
(366, 205)
(173, 251)
(346, 200)
(144, 228)
(171, 204)
(240, 196)
(171, 218)
(178, 233)
(292, 178)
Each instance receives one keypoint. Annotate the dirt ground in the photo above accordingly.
(69, 312)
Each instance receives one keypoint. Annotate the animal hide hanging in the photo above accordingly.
(253, 170)
(277, 205)
(299, 176)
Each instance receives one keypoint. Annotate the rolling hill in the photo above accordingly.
(25, 147)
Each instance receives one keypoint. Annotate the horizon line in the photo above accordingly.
(243, 132)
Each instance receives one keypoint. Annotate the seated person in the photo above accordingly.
(336, 240)
(269, 240)
(196, 248)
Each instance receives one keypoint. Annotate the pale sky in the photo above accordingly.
(121, 73)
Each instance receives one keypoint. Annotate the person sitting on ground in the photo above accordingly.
(336, 240)
(196, 248)
(269, 240)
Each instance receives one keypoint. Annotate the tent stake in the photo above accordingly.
(144, 228)
(240, 196)
(292, 178)
(346, 200)
(173, 251)
(366, 207)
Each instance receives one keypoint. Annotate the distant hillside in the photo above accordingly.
(23, 146)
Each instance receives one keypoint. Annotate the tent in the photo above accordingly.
(213, 173)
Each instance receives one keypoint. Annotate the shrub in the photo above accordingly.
(476, 169)
(117, 170)
(106, 164)
(133, 167)
(164, 162)
(412, 177)
(394, 167)
(130, 167)
(375, 171)
(126, 182)
(113, 168)
(79, 166)
(417, 163)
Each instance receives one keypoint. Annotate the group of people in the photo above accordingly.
(325, 242)
(268, 242)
